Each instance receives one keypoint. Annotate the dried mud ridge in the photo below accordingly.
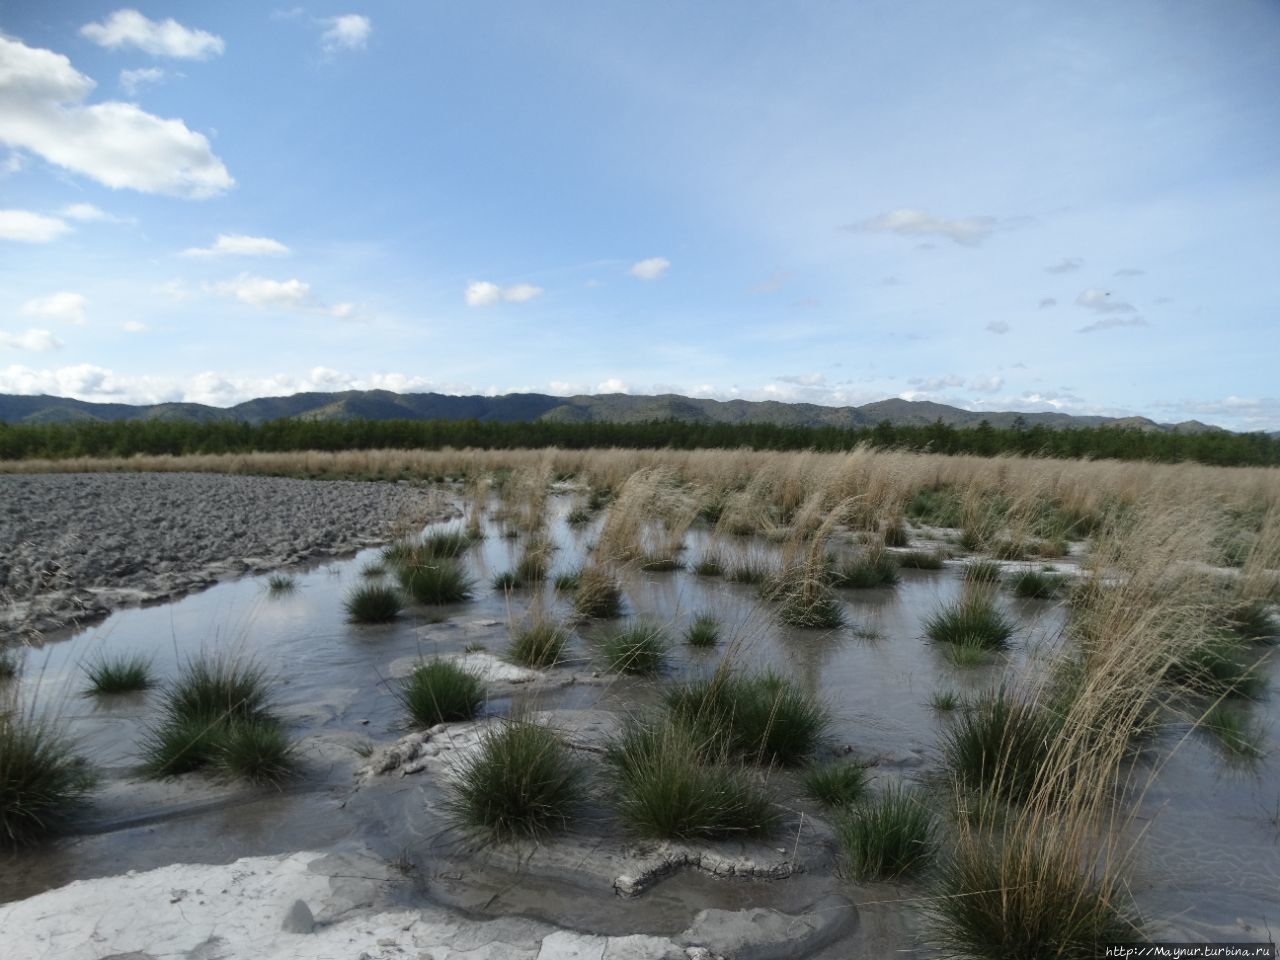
(75, 546)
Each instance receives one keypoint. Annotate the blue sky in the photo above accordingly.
(1031, 206)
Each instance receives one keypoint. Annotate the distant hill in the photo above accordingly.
(524, 407)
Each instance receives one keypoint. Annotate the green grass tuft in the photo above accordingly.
(1050, 908)
(973, 619)
(281, 583)
(671, 781)
(256, 750)
(568, 581)
(985, 572)
(122, 674)
(944, 701)
(440, 691)
(1233, 728)
(887, 837)
(999, 745)
(704, 631)
(921, 560)
(762, 717)
(835, 785)
(42, 782)
(540, 644)
(812, 606)
(870, 570)
(435, 582)
(1036, 585)
(373, 603)
(520, 783)
(638, 649)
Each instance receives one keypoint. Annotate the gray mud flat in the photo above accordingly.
(75, 546)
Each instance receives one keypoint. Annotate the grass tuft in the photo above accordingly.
(42, 781)
(835, 785)
(373, 603)
(1011, 899)
(944, 701)
(440, 691)
(568, 581)
(1036, 585)
(436, 581)
(761, 717)
(256, 750)
(973, 620)
(520, 783)
(598, 596)
(638, 649)
(704, 631)
(123, 674)
(999, 746)
(709, 565)
(870, 570)
(921, 560)
(672, 781)
(811, 605)
(281, 583)
(540, 644)
(887, 837)
(985, 572)
(1233, 728)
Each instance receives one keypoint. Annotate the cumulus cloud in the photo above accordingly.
(37, 341)
(27, 227)
(348, 32)
(129, 28)
(1110, 323)
(931, 384)
(1100, 301)
(997, 327)
(612, 385)
(131, 80)
(989, 384)
(292, 295)
(238, 245)
(262, 292)
(42, 109)
(650, 269)
(966, 231)
(89, 382)
(64, 305)
(1241, 413)
(1065, 265)
(482, 293)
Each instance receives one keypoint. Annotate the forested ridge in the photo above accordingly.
(178, 437)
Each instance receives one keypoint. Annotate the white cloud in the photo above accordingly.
(931, 384)
(238, 245)
(261, 292)
(175, 291)
(1065, 265)
(521, 293)
(64, 305)
(42, 110)
(1109, 323)
(129, 28)
(27, 227)
(84, 212)
(1100, 302)
(482, 293)
(998, 327)
(134, 326)
(348, 32)
(13, 163)
(650, 269)
(36, 341)
(804, 379)
(1242, 413)
(989, 384)
(131, 80)
(612, 385)
(967, 231)
(1129, 272)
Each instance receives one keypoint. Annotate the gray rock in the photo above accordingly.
(298, 919)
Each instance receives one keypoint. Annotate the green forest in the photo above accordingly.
(127, 438)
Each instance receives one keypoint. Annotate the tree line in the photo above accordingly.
(179, 437)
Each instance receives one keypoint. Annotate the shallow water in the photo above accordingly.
(1208, 866)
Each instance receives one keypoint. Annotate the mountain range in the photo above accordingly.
(524, 407)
